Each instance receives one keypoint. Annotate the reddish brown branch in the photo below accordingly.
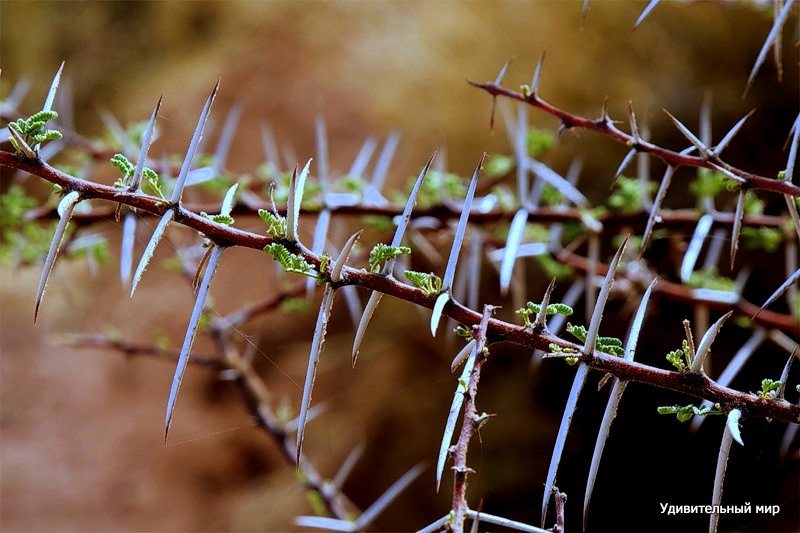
(698, 386)
(606, 127)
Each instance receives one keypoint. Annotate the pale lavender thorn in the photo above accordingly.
(325, 523)
(780, 19)
(585, 10)
(705, 119)
(347, 466)
(645, 13)
(793, 151)
(785, 375)
(737, 226)
(369, 310)
(147, 139)
(320, 236)
(462, 355)
(695, 246)
(521, 153)
(438, 308)
(362, 158)
(452, 417)
(313, 413)
(450, 270)
(65, 208)
(193, 146)
(296, 189)
(537, 74)
(775, 295)
(561, 438)
(541, 318)
(553, 178)
(513, 240)
(719, 476)
(191, 331)
(338, 265)
(605, 291)
(731, 134)
(651, 220)
(317, 345)
(51, 94)
(126, 253)
(322, 155)
(622, 166)
(372, 512)
(151, 248)
(592, 259)
(405, 218)
(270, 147)
(733, 425)
(384, 161)
(435, 526)
(714, 252)
(701, 147)
(353, 302)
(505, 522)
(497, 81)
(226, 140)
(705, 343)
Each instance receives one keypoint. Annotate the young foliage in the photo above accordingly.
(289, 261)
(381, 253)
(686, 412)
(430, 284)
(534, 309)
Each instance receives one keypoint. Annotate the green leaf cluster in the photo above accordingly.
(436, 187)
(34, 130)
(225, 220)
(768, 239)
(769, 389)
(532, 309)
(611, 345)
(708, 278)
(383, 252)
(276, 224)
(126, 168)
(681, 358)
(539, 141)
(708, 183)
(686, 412)
(627, 195)
(289, 261)
(560, 350)
(430, 284)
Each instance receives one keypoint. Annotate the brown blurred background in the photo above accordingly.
(82, 431)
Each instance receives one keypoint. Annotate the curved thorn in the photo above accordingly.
(775, 295)
(706, 341)
(731, 134)
(541, 317)
(702, 148)
(651, 220)
(372, 512)
(462, 355)
(719, 476)
(126, 253)
(513, 240)
(771, 37)
(51, 94)
(65, 208)
(317, 345)
(438, 307)
(450, 270)
(338, 265)
(147, 139)
(151, 248)
(193, 145)
(602, 298)
(695, 246)
(191, 331)
(561, 438)
(737, 226)
(645, 13)
(296, 188)
(369, 309)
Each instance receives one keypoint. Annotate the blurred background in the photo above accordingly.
(81, 431)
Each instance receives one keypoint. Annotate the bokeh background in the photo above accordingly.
(81, 431)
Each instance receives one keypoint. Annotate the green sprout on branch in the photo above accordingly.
(534, 308)
(686, 412)
(611, 345)
(681, 358)
(431, 284)
(33, 131)
(555, 349)
(276, 224)
(126, 168)
(382, 253)
(769, 389)
(289, 261)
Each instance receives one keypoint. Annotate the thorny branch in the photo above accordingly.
(696, 385)
(606, 126)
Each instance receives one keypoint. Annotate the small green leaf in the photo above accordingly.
(685, 412)
(383, 252)
(276, 224)
(769, 389)
(430, 284)
(289, 261)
